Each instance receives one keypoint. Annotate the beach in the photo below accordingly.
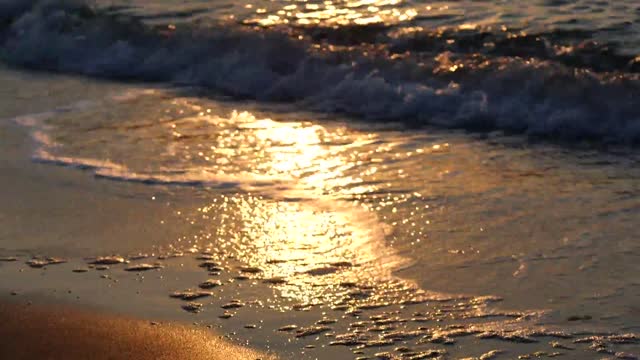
(252, 188)
(136, 246)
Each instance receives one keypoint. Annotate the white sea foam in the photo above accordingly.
(47, 150)
(546, 96)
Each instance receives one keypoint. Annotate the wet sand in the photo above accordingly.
(344, 260)
(59, 332)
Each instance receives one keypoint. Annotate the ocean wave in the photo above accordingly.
(105, 169)
(536, 85)
(48, 151)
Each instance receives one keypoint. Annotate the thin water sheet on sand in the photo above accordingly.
(291, 234)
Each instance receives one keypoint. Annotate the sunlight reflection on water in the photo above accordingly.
(299, 230)
(329, 214)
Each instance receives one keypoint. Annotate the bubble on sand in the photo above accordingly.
(557, 345)
(250, 270)
(359, 294)
(625, 356)
(302, 307)
(209, 264)
(348, 284)
(359, 324)
(190, 295)
(403, 349)
(107, 260)
(377, 343)
(490, 355)
(311, 330)
(613, 339)
(233, 304)
(402, 335)
(143, 267)
(210, 284)
(276, 261)
(341, 264)
(42, 262)
(353, 312)
(501, 335)
(349, 339)
(176, 254)
(287, 328)
(192, 307)
(275, 281)
(385, 356)
(428, 354)
(325, 270)
(226, 315)
(538, 354)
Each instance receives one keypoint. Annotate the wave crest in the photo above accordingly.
(394, 80)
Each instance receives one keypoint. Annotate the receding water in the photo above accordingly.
(496, 237)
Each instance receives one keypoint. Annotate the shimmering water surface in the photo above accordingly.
(331, 179)
(607, 21)
(385, 237)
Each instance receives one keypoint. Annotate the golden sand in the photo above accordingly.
(58, 332)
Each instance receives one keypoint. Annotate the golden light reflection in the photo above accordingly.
(317, 248)
(337, 13)
(299, 229)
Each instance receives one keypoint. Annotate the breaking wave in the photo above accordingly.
(558, 85)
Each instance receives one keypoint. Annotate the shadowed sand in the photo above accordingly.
(57, 332)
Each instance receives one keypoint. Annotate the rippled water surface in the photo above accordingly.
(386, 62)
(486, 231)
(608, 21)
(333, 179)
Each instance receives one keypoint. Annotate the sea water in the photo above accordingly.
(445, 179)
